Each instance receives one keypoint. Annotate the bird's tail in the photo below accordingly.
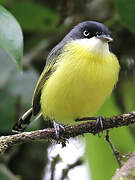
(23, 122)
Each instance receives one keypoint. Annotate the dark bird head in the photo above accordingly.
(89, 29)
(97, 34)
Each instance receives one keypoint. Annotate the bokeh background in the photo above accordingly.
(44, 23)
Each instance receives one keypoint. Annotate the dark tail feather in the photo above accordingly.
(23, 122)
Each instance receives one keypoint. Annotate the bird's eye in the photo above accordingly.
(86, 33)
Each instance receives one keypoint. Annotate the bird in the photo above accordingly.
(80, 74)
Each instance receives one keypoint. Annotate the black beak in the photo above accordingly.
(105, 38)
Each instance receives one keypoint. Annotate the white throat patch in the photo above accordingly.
(94, 44)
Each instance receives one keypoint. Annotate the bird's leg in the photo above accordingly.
(99, 120)
(57, 128)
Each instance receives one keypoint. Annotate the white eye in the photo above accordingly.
(86, 33)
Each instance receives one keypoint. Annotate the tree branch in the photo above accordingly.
(55, 161)
(70, 131)
(66, 170)
(127, 171)
(116, 153)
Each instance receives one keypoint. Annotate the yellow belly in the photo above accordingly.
(79, 86)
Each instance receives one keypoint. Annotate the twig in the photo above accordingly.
(53, 165)
(116, 153)
(69, 167)
(70, 131)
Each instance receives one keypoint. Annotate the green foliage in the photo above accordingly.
(128, 92)
(33, 154)
(101, 159)
(6, 68)
(7, 110)
(11, 39)
(3, 2)
(98, 152)
(44, 18)
(37, 21)
(126, 10)
(14, 99)
(23, 85)
(13, 86)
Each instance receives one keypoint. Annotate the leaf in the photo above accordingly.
(7, 110)
(23, 85)
(98, 152)
(7, 67)
(36, 18)
(4, 2)
(126, 10)
(11, 38)
(128, 92)
(18, 85)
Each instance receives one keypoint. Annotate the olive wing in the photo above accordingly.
(48, 70)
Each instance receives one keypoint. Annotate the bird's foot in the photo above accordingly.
(57, 128)
(99, 120)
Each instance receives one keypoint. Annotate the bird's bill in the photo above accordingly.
(105, 38)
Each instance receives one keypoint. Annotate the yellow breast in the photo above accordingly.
(83, 80)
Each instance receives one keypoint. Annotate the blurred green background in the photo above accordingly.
(43, 24)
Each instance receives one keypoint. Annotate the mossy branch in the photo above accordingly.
(70, 131)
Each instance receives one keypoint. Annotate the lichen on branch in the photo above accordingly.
(70, 131)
